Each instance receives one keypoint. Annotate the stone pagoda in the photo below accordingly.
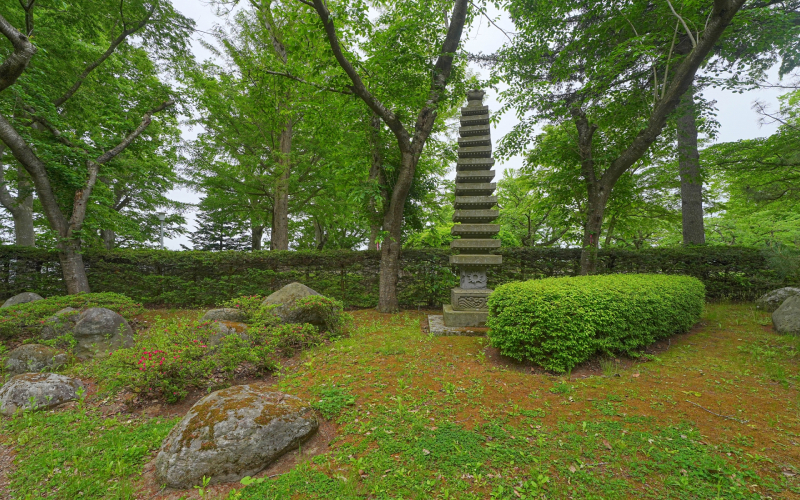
(476, 209)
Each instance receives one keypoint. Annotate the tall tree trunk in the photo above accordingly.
(280, 213)
(109, 238)
(69, 253)
(595, 209)
(21, 207)
(257, 233)
(23, 215)
(694, 232)
(391, 246)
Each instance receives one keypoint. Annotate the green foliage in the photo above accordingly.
(332, 400)
(36, 313)
(81, 454)
(256, 312)
(559, 323)
(330, 310)
(291, 338)
(175, 355)
(193, 279)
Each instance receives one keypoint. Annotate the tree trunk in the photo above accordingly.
(21, 207)
(280, 214)
(109, 238)
(23, 215)
(391, 246)
(257, 233)
(595, 209)
(72, 266)
(689, 164)
(320, 235)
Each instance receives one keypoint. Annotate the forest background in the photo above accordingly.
(255, 129)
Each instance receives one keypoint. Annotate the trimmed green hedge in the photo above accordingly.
(195, 279)
(559, 323)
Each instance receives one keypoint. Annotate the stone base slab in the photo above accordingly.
(462, 319)
(436, 327)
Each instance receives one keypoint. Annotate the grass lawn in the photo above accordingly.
(715, 415)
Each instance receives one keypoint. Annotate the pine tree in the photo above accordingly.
(217, 231)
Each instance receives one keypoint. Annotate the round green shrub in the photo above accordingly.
(559, 323)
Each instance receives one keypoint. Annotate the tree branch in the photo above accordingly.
(298, 79)
(723, 13)
(92, 66)
(688, 31)
(358, 86)
(25, 155)
(17, 61)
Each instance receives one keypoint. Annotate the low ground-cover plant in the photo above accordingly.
(176, 355)
(80, 453)
(558, 323)
(33, 314)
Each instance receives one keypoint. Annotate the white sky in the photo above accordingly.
(737, 119)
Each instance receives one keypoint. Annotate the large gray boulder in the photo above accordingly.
(786, 319)
(286, 298)
(771, 301)
(22, 298)
(34, 358)
(45, 390)
(60, 323)
(225, 314)
(233, 433)
(100, 331)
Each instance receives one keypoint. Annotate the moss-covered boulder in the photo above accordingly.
(771, 301)
(100, 331)
(37, 391)
(34, 358)
(225, 314)
(286, 298)
(60, 323)
(22, 298)
(233, 433)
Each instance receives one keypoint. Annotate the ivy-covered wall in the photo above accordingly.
(187, 279)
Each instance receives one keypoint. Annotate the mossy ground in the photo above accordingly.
(716, 415)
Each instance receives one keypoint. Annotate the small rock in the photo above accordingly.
(46, 390)
(225, 314)
(233, 433)
(33, 358)
(22, 298)
(786, 319)
(60, 323)
(222, 329)
(99, 331)
(772, 301)
(286, 298)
